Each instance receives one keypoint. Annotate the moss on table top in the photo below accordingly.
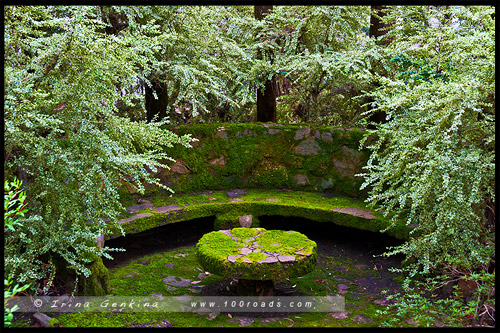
(257, 253)
(160, 209)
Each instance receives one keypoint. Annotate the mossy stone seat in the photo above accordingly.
(256, 254)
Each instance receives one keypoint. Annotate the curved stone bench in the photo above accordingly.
(256, 257)
(229, 206)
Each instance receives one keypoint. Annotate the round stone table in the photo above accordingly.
(256, 257)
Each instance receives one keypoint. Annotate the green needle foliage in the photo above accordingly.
(432, 163)
(64, 135)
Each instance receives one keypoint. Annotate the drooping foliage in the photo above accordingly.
(432, 163)
(63, 134)
(80, 81)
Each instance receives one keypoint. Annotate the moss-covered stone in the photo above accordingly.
(257, 253)
(268, 156)
(313, 206)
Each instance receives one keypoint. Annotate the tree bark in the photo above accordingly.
(156, 106)
(266, 98)
(376, 30)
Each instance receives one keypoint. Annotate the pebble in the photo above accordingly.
(339, 315)
(361, 318)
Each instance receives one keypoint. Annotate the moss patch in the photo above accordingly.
(138, 279)
(258, 202)
(267, 156)
(256, 253)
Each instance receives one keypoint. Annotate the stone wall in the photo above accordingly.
(267, 156)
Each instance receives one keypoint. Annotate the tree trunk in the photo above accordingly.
(376, 30)
(266, 98)
(376, 25)
(156, 106)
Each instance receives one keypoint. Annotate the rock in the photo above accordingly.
(272, 199)
(268, 260)
(45, 321)
(245, 251)
(212, 316)
(226, 232)
(184, 298)
(316, 134)
(177, 281)
(301, 179)
(274, 131)
(339, 315)
(169, 265)
(180, 167)
(233, 258)
(269, 320)
(356, 212)
(303, 253)
(159, 295)
(349, 162)
(361, 318)
(164, 209)
(220, 162)
(135, 217)
(307, 147)
(243, 321)
(301, 133)
(236, 200)
(342, 286)
(136, 208)
(236, 193)
(325, 184)
(327, 137)
(286, 258)
(245, 221)
(221, 133)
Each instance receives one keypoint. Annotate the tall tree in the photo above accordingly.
(377, 29)
(266, 97)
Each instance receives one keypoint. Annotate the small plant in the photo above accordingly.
(14, 204)
(8, 293)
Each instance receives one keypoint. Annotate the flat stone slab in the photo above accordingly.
(226, 232)
(339, 315)
(361, 318)
(356, 212)
(286, 258)
(135, 217)
(268, 260)
(165, 209)
(177, 281)
(135, 208)
(236, 193)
